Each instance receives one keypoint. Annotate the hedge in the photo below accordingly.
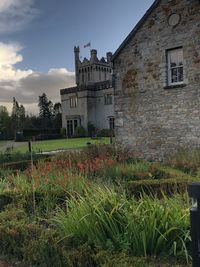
(158, 188)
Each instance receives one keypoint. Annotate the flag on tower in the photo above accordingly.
(87, 45)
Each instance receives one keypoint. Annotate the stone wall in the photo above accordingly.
(152, 119)
(79, 111)
(90, 107)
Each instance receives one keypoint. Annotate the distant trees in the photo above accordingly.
(18, 116)
(57, 115)
(5, 122)
(50, 117)
(45, 111)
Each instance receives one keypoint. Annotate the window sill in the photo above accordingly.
(175, 86)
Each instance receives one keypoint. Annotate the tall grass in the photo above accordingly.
(145, 227)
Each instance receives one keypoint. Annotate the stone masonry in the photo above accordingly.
(153, 117)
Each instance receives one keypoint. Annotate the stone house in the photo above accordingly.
(92, 99)
(157, 81)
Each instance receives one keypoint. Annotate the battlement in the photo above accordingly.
(91, 87)
(106, 61)
(92, 70)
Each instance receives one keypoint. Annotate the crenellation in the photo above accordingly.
(94, 82)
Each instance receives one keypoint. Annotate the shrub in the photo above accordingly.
(92, 130)
(105, 133)
(80, 132)
(185, 160)
(134, 170)
(158, 188)
(110, 259)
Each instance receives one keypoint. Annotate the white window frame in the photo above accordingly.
(169, 68)
(73, 101)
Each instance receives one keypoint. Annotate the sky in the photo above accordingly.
(37, 39)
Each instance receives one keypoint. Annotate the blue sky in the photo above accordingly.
(37, 39)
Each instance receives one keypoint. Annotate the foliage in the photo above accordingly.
(57, 115)
(80, 132)
(45, 111)
(105, 133)
(5, 123)
(91, 129)
(144, 227)
(185, 160)
(17, 116)
(16, 157)
(91, 208)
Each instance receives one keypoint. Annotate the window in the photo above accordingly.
(72, 126)
(112, 123)
(108, 99)
(82, 77)
(175, 66)
(73, 101)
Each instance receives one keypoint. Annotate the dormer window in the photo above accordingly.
(175, 66)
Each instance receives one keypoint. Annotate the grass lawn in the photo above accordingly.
(2, 143)
(59, 144)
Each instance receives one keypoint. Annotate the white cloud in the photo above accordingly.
(9, 56)
(27, 85)
(16, 14)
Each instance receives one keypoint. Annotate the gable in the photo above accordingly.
(136, 28)
(166, 7)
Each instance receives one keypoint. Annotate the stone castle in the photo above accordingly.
(91, 101)
(157, 81)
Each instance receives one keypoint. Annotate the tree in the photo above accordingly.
(17, 116)
(57, 112)
(45, 111)
(5, 123)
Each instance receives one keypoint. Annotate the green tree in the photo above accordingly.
(57, 112)
(5, 123)
(17, 116)
(45, 111)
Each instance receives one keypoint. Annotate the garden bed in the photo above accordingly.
(98, 207)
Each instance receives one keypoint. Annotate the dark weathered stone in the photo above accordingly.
(152, 118)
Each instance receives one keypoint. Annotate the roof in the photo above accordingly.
(136, 28)
(90, 87)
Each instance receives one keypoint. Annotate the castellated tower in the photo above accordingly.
(77, 62)
(91, 101)
(93, 70)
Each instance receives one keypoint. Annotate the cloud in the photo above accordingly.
(9, 56)
(27, 85)
(16, 14)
